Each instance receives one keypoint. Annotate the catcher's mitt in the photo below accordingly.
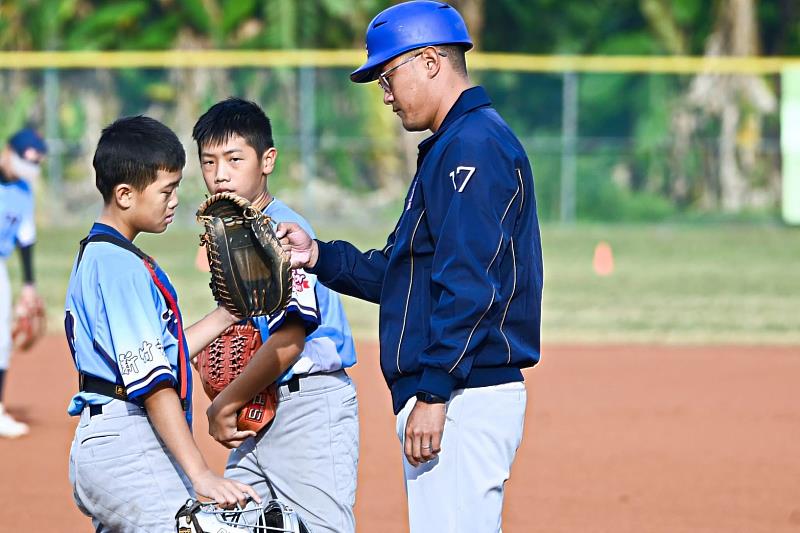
(29, 323)
(223, 360)
(250, 272)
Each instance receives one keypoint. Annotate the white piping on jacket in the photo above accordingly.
(491, 301)
(410, 284)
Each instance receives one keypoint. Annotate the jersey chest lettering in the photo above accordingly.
(9, 226)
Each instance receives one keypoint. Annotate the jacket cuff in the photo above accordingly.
(327, 266)
(437, 382)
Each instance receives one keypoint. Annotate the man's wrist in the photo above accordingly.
(437, 381)
(314, 255)
(427, 397)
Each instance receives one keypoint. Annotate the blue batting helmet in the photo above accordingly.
(27, 138)
(408, 26)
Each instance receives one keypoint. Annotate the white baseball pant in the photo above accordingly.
(310, 453)
(122, 476)
(5, 317)
(462, 489)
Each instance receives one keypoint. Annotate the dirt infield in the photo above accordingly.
(617, 439)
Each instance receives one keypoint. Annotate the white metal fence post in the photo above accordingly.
(569, 132)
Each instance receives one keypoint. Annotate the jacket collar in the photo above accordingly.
(469, 100)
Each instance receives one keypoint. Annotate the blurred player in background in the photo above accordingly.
(20, 166)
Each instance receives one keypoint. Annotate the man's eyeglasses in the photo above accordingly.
(383, 77)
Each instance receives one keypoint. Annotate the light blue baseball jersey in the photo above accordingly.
(119, 326)
(329, 345)
(17, 226)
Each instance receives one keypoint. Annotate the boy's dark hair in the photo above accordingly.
(132, 150)
(234, 116)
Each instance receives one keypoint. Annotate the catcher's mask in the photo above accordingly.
(270, 517)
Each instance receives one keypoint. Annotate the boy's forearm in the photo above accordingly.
(164, 410)
(272, 359)
(26, 258)
(201, 333)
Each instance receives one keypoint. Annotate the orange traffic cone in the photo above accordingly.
(603, 262)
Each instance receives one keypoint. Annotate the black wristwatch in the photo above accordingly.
(427, 397)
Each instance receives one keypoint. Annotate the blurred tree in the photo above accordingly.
(473, 13)
(779, 22)
(653, 140)
(665, 27)
(738, 103)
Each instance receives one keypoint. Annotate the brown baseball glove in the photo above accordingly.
(29, 322)
(223, 360)
(250, 271)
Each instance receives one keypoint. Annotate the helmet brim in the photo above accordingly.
(370, 70)
(364, 74)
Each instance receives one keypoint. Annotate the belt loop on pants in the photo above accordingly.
(312, 382)
(294, 383)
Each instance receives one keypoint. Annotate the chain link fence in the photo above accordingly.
(604, 146)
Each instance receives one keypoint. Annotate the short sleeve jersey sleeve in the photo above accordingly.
(136, 319)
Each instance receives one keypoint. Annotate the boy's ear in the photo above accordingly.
(268, 161)
(32, 155)
(123, 195)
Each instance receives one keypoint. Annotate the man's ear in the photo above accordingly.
(268, 160)
(432, 61)
(124, 195)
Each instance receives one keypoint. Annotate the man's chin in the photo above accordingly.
(410, 126)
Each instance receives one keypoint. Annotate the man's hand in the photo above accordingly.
(302, 248)
(423, 436)
(222, 424)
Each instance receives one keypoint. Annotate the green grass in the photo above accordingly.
(728, 283)
(674, 284)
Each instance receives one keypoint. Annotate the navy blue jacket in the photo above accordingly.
(459, 281)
